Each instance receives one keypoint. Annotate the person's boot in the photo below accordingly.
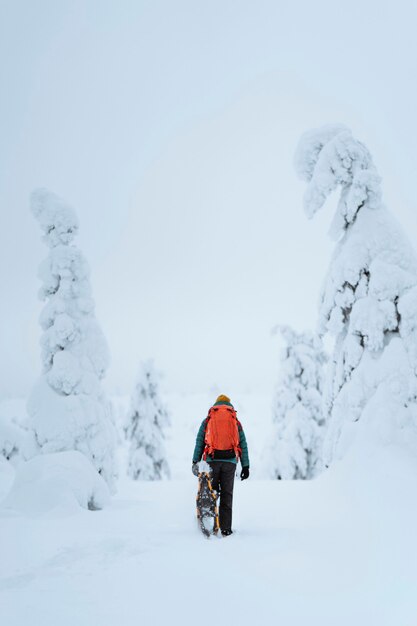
(226, 533)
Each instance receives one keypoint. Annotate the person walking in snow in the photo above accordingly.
(221, 442)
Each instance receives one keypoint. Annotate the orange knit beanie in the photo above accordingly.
(223, 398)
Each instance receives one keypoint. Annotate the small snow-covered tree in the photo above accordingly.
(298, 416)
(369, 298)
(145, 426)
(68, 408)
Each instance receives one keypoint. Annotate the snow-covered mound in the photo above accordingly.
(65, 479)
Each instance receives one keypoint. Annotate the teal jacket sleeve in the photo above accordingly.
(199, 443)
(244, 459)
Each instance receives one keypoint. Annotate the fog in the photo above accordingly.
(171, 128)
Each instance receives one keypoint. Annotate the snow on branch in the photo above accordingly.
(58, 220)
(330, 157)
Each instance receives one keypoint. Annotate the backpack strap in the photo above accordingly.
(237, 449)
(206, 447)
(239, 428)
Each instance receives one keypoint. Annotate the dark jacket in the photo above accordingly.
(200, 444)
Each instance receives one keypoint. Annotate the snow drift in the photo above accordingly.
(63, 479)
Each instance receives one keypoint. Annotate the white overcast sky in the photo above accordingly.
(171, 127)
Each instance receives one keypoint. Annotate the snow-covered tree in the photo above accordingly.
(145, 426)
(68, 408)
(298, 417)
(369, 298)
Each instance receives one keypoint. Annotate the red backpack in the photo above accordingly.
(222, 430)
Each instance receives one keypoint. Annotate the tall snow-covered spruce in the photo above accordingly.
(369, 298)
(298, 416)
(67, 406)
(145, 426)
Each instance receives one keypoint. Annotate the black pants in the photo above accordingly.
(222, 480)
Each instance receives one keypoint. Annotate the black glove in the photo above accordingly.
(195, 469)
(244, 473)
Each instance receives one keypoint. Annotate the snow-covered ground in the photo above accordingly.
(339, 550)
